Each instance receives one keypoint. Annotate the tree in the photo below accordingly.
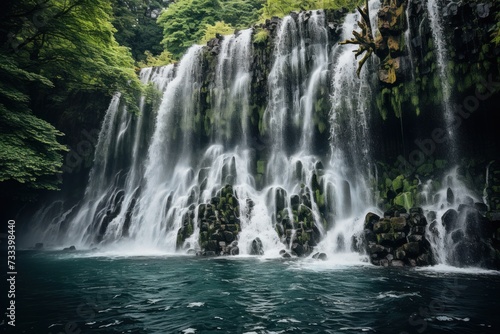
(29, 151)
(282, 8)
(220, 27)
(135, 22)
(51, 50)
(241, 14)
(185, 22)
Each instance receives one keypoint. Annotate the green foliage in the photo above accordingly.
(54, 50)
(241, 14)
(136, 27)
(185, 22)
(29, 151)
(261, 36)
(425, 169)
(152, 96)
(397, 183)
(495, 34)
(282, 8)
(405, 199)
(163, 58)
(72, 44)
(220, 27)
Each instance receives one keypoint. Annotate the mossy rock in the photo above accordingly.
(383, 226)
(370, 220)
(397, 183)
(426, 169)
(261, 167)
(405, 200)
(398, 224)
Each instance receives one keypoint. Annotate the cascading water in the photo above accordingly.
(114, 181)
(439, 37)
(149, 182)
(350, 173)
(455, 216)
(194, 173)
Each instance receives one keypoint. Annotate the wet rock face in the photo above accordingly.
(218, 222)
(397, 239)
(471, 236)
(256, 247)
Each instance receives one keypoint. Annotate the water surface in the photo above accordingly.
(67, 292)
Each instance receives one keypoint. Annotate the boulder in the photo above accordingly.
(457, 236)
(370, 220)
(228, 236)
(481, 207)
(385, 239)
(418, 230)
(400, 254)
(415, 238)
(256, 248)
(412, 249)
(399, 224)
(450, 197)
(450, 220)
(424, 260)
(234, 250)
(298, 249)
(376, 248)
(368, 236)
(382, 226)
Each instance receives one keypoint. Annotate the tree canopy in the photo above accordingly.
(50, 49)
(282, 8)
(135, 22)
(185, 22)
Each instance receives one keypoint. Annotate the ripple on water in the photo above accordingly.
(395, 294)
(196, 304)
(191, 297)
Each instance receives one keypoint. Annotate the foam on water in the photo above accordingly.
(447, 269)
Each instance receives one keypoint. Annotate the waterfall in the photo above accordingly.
(232, 88)
(155, 174)
(440, 45)
(349, 175)
(451, 225)
(214, 165)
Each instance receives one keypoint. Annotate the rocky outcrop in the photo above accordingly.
(471, 236)
(387, 42)
(398, 238)
(218, 222)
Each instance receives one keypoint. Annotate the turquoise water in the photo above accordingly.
(83, 293)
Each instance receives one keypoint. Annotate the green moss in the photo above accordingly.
(261, 36)
(321, 127)
(320, 199)
(405, 199)
(425, 169)
(261, 167)
(397, 183)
